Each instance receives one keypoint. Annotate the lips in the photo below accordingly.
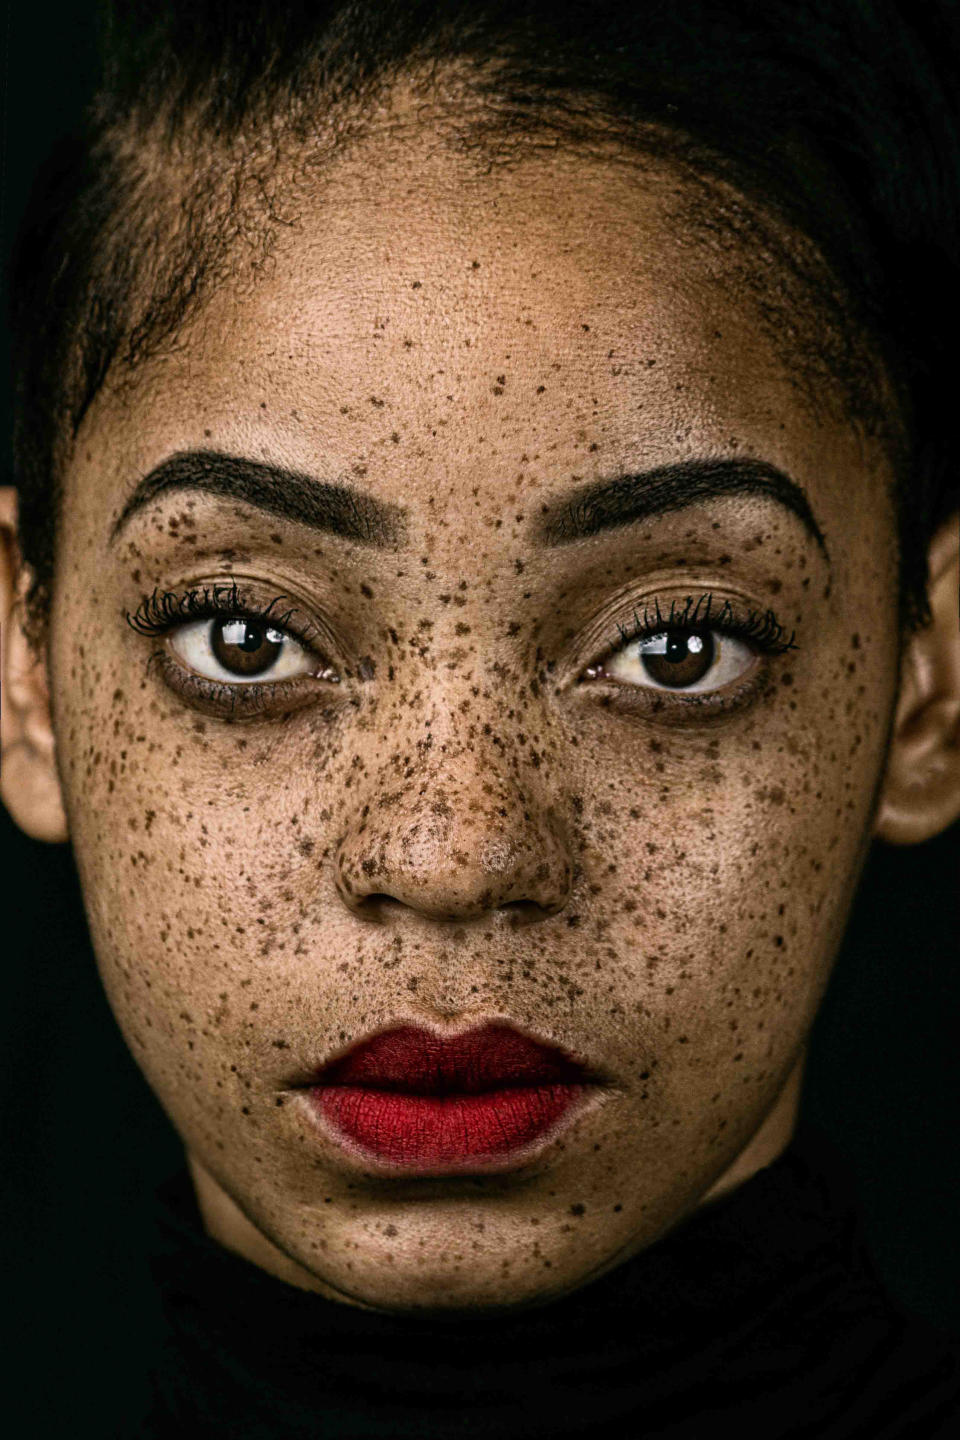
(418, 1100)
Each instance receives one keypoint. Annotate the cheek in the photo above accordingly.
(723, 870)
(196, 871)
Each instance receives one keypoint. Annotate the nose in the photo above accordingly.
(455, 849)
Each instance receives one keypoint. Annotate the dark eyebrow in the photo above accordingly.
(608, 504)
(337, 509)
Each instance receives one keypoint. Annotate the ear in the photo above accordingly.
(921, 788)
(29, 783)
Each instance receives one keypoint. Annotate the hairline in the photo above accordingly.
(282, 144)
(748, 223)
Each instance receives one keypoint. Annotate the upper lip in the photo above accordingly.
(422, 1062)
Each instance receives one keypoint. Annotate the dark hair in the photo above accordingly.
(836, 117)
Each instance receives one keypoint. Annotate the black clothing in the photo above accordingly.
(761, 1316)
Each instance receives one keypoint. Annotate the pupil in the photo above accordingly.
(678, 647)
(252, 639)
(244, 646)
(677, 658)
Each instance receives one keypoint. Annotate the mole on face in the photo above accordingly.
(472, 792)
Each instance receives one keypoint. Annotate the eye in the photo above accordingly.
(692, 661)
(239, 650)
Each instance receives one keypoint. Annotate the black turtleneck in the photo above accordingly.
(761, 1312)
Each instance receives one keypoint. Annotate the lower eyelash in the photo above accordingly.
(231, 701)
(690, 706)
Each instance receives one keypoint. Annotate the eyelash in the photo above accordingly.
(760, 627)
(165, 609)
(160, 613)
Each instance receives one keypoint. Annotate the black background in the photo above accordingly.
(83, 1140)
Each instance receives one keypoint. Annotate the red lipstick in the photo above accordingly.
(412, 1098)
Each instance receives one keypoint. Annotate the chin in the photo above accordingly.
(461, 1263)
(444, 1283)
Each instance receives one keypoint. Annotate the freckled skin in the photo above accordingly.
(465, 828)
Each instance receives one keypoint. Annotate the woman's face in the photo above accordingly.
(464, 792)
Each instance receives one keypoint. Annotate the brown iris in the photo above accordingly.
(246, 647)
(678, 658)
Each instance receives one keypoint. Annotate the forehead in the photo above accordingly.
(413, 296)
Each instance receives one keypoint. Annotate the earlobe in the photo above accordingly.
(921, 788)
(29, 783)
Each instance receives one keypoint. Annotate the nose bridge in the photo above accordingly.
(454, 834)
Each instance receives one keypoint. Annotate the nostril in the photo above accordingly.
(524, 912)
(378, 905)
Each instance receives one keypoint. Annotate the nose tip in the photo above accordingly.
(446, 867)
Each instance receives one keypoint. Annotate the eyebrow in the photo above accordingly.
(322, 505)
(349, 513)
(610, 504)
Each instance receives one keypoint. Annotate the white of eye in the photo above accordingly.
(681, 662)
(236, 651)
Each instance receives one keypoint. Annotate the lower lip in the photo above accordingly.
(449, 1132)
